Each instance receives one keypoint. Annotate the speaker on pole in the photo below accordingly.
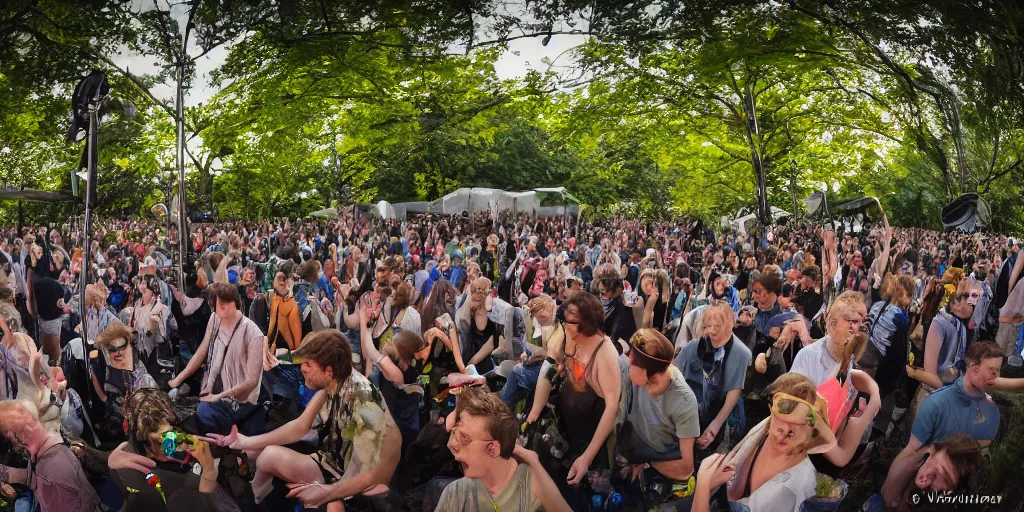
(86, 103)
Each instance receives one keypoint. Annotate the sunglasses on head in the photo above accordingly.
(785, 406)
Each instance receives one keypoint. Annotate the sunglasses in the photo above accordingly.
(785, 406)
(116, 348)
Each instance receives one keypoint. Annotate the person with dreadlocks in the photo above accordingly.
(184, 472)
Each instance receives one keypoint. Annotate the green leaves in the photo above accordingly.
(325, 100)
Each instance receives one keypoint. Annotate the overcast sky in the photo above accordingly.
(510, 65)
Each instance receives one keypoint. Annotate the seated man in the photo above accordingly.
(233, 353)
(354, 468)
(662, 419)
(483, 441)
(55, 476)
(938, 467)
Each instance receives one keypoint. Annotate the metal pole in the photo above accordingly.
(91, 145)
(183, 235)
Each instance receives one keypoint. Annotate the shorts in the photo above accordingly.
(51, 327)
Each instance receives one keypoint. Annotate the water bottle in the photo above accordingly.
(596, 503)
(614, 503)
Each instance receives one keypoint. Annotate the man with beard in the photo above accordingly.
(498, 474)
(620, 320)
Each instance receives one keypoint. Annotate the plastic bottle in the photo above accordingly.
(614, 503)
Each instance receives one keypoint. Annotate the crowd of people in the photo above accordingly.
(467, 363)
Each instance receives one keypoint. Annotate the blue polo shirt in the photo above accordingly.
(951, 409)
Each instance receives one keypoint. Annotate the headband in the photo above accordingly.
(644, 360)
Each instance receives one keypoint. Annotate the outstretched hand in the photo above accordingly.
(233, 440)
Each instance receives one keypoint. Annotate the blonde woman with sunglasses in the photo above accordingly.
(769, 470)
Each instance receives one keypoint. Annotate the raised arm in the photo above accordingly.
(388, 368)
(883, 259)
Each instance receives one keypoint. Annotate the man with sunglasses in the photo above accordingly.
(498, 474)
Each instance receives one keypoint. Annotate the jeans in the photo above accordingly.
(25, 500)
(285, 380)
(521, 382)
(218, 417)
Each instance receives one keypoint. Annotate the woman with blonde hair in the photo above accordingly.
(542, 333)
(888, 339)
(829, 364)
(99, 316)
(770, 469)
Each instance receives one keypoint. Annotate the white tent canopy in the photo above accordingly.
(542, 201)
(385, 210)
(326, 213)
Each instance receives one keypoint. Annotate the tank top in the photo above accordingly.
(581, 407)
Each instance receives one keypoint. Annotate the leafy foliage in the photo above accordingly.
(668, 106)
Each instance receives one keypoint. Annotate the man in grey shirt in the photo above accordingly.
(662, 419)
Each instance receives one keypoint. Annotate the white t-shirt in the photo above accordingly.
(786, 491)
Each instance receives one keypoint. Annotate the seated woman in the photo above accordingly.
(99, 314)
(149, 320)
(401, 363)
(118, 371)
(541, 329)
(715, 368)
(828, 363)
(187, 475)
(769, 470)
(486, 327)
(654, 295)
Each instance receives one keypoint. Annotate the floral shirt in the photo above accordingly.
(355, 422)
